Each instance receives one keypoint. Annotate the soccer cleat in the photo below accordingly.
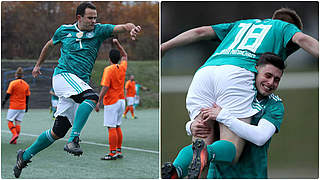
(14, 137)
(199, 161)
(14, 142)
(135, 117)
(119, 155)
(168, 171)
(20, 164)
(109, 157)
(73, 147)
(124, 116)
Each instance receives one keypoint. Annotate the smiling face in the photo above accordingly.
(267, 79)
(88, 20)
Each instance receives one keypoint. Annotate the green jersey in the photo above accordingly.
(79, 49)
(138, 89)
(244, 41)
(253, 161)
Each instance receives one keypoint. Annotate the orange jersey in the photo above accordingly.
(131, 88)
(18, 90)
(114, 77)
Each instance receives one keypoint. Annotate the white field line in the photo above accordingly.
(300, 80)
(93, 143)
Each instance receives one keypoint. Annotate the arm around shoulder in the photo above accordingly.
(307, 43)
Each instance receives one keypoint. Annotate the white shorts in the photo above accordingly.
(66, 85)
(14, 114)
(228, 86)
(66, 107)
(137, 100)
(130, 101)
(113, 113)
(54, 103)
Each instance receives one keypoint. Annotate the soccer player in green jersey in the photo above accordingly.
(80, 43)
(227, 77)
(253, 161)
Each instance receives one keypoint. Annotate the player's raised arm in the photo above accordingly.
(307, 43)
(128, 27)
(123, 53)
(45, 51)
(188, 37)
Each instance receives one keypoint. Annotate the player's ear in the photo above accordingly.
(78, 17)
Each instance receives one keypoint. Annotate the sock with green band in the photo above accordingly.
(222, 151)
(82, 114)
(43, 141)
(182, 161)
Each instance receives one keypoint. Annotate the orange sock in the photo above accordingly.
(12, 127)
(119, 143)
(126, 111)
(112, 141)
(18, 129)
(131, 110)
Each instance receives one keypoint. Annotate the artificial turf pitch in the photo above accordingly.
(140, 149)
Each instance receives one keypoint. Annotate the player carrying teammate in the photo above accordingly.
(112, 93)
(130, 94)
(18, 92)
(80, 43)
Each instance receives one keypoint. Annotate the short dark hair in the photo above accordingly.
(288, 15)
(114, 56)
(271, 58)
(83, 6)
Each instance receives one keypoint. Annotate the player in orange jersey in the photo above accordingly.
(130, 94)
(18, 92)
(112, 93)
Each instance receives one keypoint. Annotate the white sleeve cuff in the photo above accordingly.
(188, 128)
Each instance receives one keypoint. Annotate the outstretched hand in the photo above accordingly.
(36, 71)
(211, 113)
(134, 31)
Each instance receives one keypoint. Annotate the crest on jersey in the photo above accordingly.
(90, 34)
(79, 34)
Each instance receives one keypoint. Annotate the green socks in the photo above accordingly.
(184, 158)
(82, 114)
(43, 141)
(221, 151)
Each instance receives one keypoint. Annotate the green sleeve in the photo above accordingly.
(57, 35)
(105, 30)
(288, 31)
(222, 29)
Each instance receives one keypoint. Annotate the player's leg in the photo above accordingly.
(69, 86)
(130, 105)
(44, 140)
(126, 109)
(110, 117)
(121, 108)
(11, 115)
(180, 167)
(87, 100)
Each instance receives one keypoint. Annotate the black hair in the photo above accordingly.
(114, 56)
(288, 15)
(83, 6)
(271, 58)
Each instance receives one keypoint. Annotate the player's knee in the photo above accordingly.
(88, 94)
(61, 126)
